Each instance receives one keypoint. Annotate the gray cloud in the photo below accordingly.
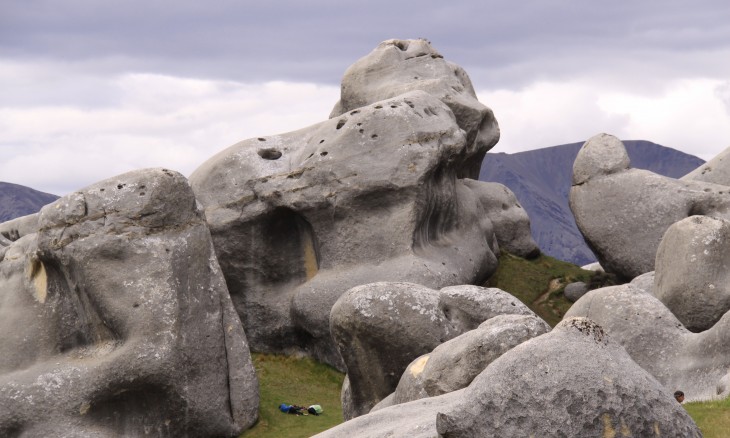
(504, 43)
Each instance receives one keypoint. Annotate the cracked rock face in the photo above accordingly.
(695, 363)
(373, 194)
(381, 327)
(623, 212)
(116, 319)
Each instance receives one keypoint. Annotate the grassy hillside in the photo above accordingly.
(539, 283)
(713, 417)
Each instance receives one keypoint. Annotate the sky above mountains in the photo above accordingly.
(91, 89)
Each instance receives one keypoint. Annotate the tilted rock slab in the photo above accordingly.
(623, 213)
(399, 66)
(715, 171)
(372, 195)
(455, 363)
(529, 391)
(381, 327)
(696, 363)
(116, 319)
(692, 275)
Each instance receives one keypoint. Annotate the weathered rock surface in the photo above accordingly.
(455, 363)
(715, 171)
(416, 419)
(693, 271)
(529, 391)
(381, 327)
(696, 363)
(645, 282)
(574, 291)
(623, 213)
(116, 319)
(373, 194)
(399, 66)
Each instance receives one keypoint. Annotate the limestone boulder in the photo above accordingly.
(371, 195)
(398, 66)
(574, 291)
(695, 363)
(716, 171)
(379, 328)
(693, 271)
(116, 319)
(455, 363)
(529, 391)
(623, 212)
(416, 419)
(645, 282)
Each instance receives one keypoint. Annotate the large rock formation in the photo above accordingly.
(116, 319)
(374, 194)
(380, 328)
(529, 391)
(696, 363)
(692, 275)
(396, 67)
(623, 213)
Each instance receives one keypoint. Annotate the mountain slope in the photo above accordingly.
(541, 181)
(17, 200)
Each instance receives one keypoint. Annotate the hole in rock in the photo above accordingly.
(324, 154)
(341, 123)
(269, 154)
(261, 139)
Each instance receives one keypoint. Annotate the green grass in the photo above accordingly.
(530, 281)
(299, 381)
(713, 418)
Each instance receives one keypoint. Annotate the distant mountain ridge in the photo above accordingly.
(17, 200)
(541, 180)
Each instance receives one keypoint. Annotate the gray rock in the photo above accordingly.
(574, 291)
(693, 271)
(16, 228)
(510, 221)
(715, 171)
(455, 363)
(416, 419)
(380, 328)
(593, 267)
(696, 363)
(645, 282)
(116, 319)
(529, 391)
(623, 213)
(399, 66)
(299, 218)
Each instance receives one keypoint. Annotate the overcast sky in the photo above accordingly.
(90, 89)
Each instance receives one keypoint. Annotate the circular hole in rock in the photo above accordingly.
(269, 154)
(323, 153)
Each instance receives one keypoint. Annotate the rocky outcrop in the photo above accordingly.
(693, 271)
(116, 319)
(396, 67)
(529, 391)
(695, 363)
(623, 213)
(380, 328)
(373, 194)
(455, 363)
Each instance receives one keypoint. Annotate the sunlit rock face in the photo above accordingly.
(116, 319)
(624, 212)
(373, 194)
